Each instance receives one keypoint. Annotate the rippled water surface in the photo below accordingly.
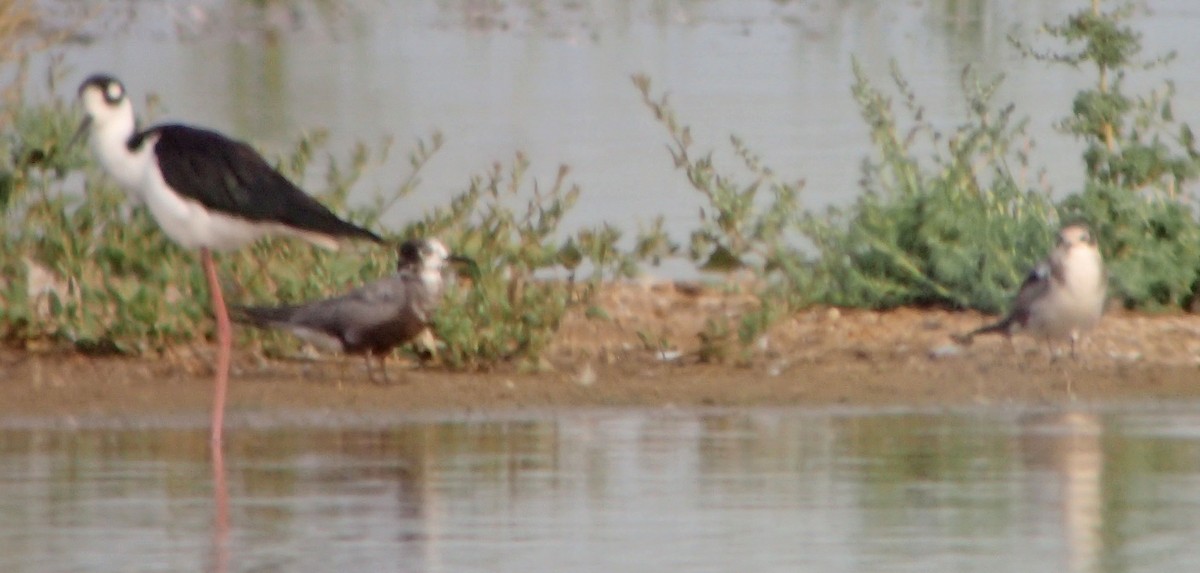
(628, 490)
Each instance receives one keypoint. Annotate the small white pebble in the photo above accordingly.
(1131, 356)
(669, 355)
(945, 351)
(586, 376)
(777, 368)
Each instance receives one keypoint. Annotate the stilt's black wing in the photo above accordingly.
(230, 177)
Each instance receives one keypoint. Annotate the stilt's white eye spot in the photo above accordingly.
(114, 92)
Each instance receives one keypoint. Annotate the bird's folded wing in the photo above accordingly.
(367, 305)
(230, 177)
(1036, 285)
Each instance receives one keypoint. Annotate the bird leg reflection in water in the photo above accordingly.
(221, 523)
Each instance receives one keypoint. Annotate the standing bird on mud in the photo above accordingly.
(374, 318)
(1062, 297)
(206, 192)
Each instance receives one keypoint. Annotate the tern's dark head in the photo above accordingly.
(426, 254)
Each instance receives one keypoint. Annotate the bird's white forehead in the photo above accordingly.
(1074, 233)
(99, 99)
(437, 249)
(93, 99)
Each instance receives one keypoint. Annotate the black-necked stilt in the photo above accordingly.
(374, 318)
(206, 192)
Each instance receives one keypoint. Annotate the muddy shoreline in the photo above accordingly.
(818, 357)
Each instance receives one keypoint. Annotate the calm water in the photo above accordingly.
(551, 78)
(640, 490)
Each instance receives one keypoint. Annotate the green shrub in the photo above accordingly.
(85, 269)
(920, 232)
(956, 230)
(527, 271)
(944, 219)
(1137, 160)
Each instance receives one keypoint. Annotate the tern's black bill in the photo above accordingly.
(472, 266)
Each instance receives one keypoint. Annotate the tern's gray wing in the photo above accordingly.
(383, 306)
(1036, 285)
(374, 317)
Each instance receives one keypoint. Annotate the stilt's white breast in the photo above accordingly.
(189, 223)
(109, 140)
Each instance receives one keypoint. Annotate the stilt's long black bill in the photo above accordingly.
(83, 127)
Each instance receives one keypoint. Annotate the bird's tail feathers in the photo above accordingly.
(325, 229)
(1000, 327)
(262, 316)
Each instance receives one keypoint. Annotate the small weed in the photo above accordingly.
(716, 341)
(517, 302)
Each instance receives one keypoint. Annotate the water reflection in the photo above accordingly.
(221, 526)
(1065, 459)
(601, 491)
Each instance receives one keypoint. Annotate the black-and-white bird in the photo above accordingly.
(206, 191)
(1062, 297)
(371, 319)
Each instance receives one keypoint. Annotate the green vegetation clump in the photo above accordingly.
(956, 230)
(959, 229)
(87, 270)
(1137, 160)
(528, 277)
(949, 219)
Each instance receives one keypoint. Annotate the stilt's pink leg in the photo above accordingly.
(224, 346)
